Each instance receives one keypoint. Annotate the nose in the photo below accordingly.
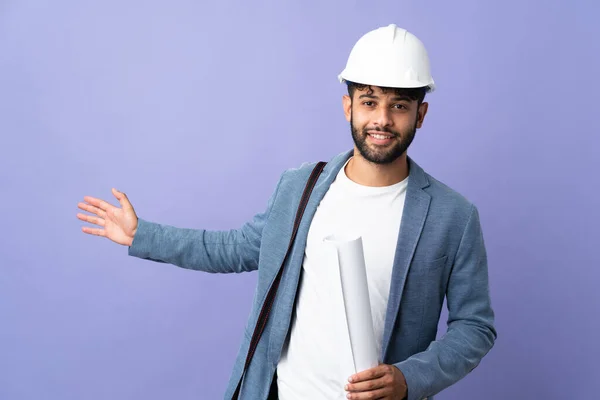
(382, 118)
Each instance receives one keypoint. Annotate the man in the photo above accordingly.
(422, 242)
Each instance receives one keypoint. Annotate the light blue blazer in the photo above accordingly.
(440, 252)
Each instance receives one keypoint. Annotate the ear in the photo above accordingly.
(347, 104)
(421, 112)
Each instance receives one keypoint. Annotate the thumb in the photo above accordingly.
(122, 197)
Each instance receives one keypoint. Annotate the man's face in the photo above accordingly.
(383, 124)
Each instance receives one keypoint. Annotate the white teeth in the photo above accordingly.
(380, 136)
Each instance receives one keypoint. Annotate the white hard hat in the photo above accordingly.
(389, 57)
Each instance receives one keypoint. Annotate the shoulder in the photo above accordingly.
(442, 191)
(448, 201)
(301, 172)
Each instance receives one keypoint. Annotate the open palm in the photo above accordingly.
(116, 224)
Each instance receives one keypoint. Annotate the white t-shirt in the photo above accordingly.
(316, 360)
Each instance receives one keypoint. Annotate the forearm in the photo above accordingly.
(447, 360)
(234, 250)
(198, 249)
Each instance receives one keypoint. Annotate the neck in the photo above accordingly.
(367, 173)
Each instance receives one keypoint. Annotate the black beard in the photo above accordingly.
(382, 156)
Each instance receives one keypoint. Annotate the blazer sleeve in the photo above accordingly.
(470, 334)
(228, 251)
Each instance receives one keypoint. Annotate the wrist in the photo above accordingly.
(130, 237)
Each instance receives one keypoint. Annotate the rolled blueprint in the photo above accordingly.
(355, 292)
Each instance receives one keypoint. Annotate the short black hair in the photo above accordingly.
(417, 94)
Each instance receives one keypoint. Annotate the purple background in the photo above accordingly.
(195, 109)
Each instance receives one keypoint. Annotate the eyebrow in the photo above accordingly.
(395, 98)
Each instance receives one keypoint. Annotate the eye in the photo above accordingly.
(399, 106)
(368, 103)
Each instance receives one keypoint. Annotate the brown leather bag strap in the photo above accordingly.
(268, 303)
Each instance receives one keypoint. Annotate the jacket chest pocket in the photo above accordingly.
(421, 267)
(426, 279)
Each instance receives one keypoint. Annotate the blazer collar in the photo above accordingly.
(416, 175)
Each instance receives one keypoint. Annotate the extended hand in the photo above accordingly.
(382, 382)
(119, 224)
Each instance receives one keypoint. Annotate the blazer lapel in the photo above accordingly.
(415, 211)
(321, 187)
(291, 275)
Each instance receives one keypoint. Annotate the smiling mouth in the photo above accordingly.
(380, 136)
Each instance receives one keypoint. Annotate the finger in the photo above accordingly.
(91, 219)
(122, 197)
(94, 231)
(369, 374)
(382, 393)
(366, 386)
(101, 204)
(92, 209)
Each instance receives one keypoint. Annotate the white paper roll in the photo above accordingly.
(355, 292)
